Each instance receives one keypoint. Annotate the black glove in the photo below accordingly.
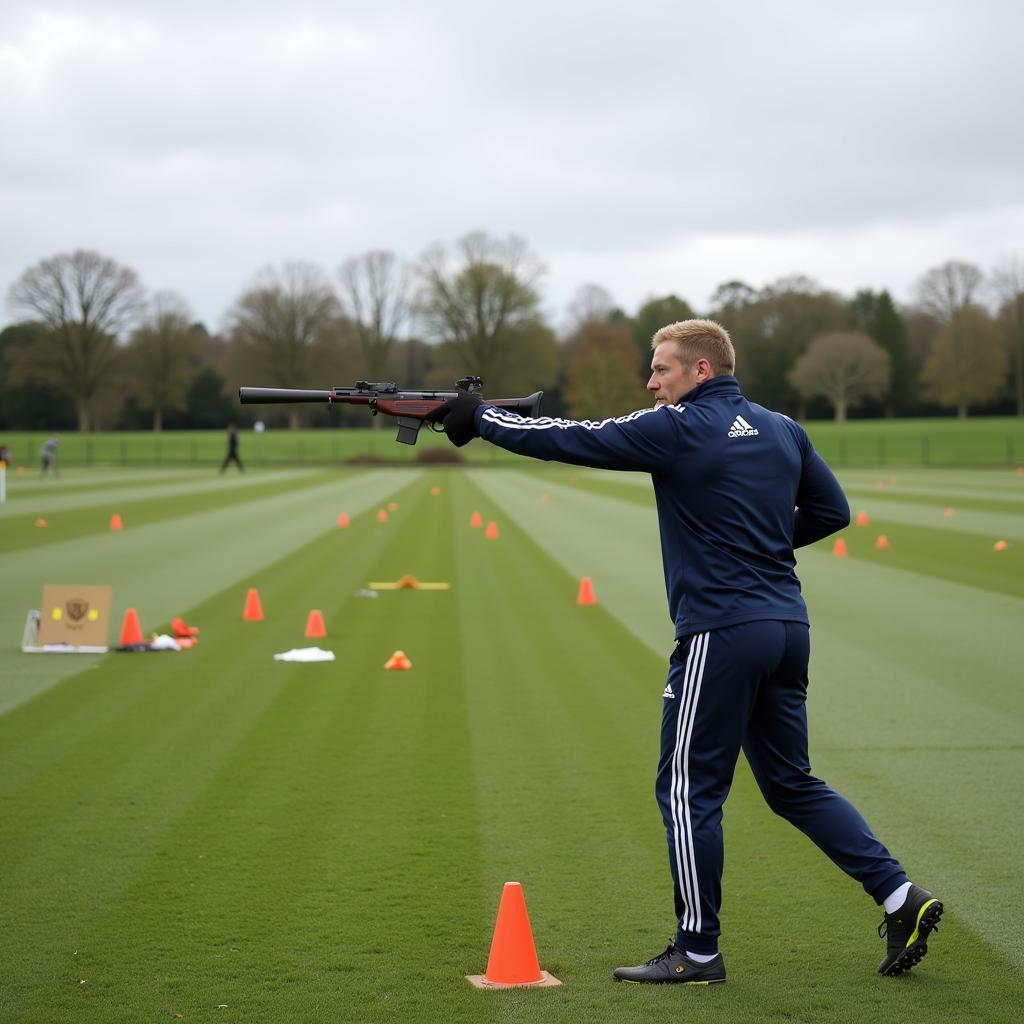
(458, 417)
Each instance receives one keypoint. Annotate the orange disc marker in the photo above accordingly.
(882, 542)
(513, 958)
(315, 624)
(839, 548)
(131, 631)
(491, 533)
(1000, 545)
(343, 520)
(949, 511)
(862, 519)
(41, 523)
(586, 592)
(476, 520)
(435, 491)
(392, 506)
(253, 608)
(115, 522)
(382, 515)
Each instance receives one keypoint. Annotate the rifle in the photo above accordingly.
(409, 408)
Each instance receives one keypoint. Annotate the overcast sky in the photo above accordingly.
(645, 146)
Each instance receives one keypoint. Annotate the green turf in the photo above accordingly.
(224, 837)
(988, 441)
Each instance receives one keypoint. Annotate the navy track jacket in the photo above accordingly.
(738, 487)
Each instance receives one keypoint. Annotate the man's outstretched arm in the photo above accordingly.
(645, 440)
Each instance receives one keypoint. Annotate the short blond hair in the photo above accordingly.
(700, 339)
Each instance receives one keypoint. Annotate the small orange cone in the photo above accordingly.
(882, 542)
(476, 520)
(586, 592)
(115, 522)
(513, 959)
(315, 624)
(131, 631)
(392, 506)
(949, 511)
(382, 515)
(435, 491)
(839, 548)
(41, 523)
(343, 520)
(491, 533)
(1000, 545)
(253, 609)
(545, 497)
(398, 660)
(1020, 471)
(862, 519)
(20, 471)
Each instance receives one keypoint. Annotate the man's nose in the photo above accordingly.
(652, 384)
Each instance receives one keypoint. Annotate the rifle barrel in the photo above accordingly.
(278, 396)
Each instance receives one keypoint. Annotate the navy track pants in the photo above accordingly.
(746, 686)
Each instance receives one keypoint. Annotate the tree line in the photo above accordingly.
(91, 349)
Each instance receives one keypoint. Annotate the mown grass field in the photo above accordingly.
(986, 442)
(216, 836)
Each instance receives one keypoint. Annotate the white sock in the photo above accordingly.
(701, 958)
(896, 899)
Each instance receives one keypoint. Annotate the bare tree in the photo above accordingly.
(376, 292)
(280, 320)
(844, 366)
(477, 305)
(85, 300)
(1008, 282)
(949, 289)
(966, 363)
(590, 303)
(160, 355)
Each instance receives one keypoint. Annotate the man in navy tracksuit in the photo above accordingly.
(738, 487)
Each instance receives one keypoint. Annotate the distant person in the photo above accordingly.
(232, 455)
(5, 455)
(48, 455)
(738, 488)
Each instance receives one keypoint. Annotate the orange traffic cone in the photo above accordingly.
(253, 609)
(382, 515)
(315, 624)
(1000, 545)
(513, 960)
(862, 519)
(586, 592)
(343, 520)
(491, 533)
(435, 491)
(882, 542)
(476, 520)
(115, 522)
(839, 548)
(398, 660)
(41, 523)
(131, 631)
